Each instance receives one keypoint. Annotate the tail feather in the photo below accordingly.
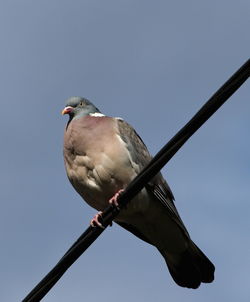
(190, 268)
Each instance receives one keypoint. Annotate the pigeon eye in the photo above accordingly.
(81, 104)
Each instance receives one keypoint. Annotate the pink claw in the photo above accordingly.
(113, 201)
(95, 221)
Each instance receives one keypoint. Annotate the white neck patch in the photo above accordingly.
(96, 114)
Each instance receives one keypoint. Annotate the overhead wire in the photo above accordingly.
(141, 180)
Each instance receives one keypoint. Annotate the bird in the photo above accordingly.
(102, 155)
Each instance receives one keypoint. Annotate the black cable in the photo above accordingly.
(155, 165)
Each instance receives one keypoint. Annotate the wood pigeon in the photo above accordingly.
(102, 155)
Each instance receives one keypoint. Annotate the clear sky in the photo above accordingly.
(154, 63)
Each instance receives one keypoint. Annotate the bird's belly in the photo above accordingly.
(96, 183)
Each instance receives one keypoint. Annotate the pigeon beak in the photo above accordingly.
(67, 110)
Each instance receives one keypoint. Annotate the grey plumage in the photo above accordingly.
(102, 155)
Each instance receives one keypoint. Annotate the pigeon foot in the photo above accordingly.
(96, 221)
(113, 201)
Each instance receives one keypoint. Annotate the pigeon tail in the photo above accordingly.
(190, 268)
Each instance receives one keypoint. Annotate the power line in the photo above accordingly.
(155, 165)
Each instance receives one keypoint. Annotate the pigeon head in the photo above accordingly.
(78, 106)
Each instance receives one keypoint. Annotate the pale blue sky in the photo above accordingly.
(154, 63)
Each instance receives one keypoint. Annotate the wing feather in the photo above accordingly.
(157, 186)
